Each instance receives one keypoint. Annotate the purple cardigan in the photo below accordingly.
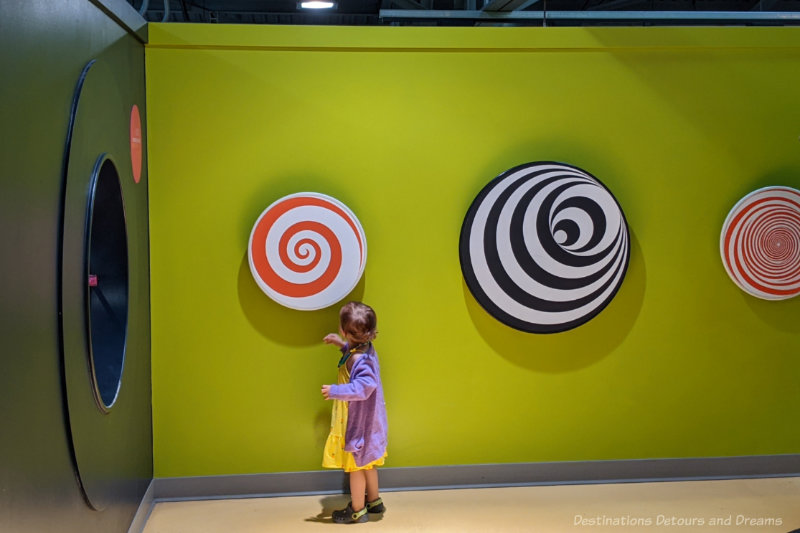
(366, 435)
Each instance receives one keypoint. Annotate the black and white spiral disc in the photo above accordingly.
(544, 247)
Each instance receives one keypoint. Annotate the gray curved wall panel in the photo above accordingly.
(43, 48)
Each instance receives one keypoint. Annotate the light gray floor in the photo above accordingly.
(744, 505)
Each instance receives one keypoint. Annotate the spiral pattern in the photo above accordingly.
(307, 251)
(544, 247)
(760, 243)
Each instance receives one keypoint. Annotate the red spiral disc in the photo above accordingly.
(307, 251)
(760, 243)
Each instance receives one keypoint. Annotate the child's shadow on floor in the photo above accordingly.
(333, 503)
(329, 505)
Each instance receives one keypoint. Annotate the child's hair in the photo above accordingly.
(358, 321)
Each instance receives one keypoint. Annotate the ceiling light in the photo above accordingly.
(317, 4)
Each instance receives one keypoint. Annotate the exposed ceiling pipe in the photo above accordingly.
(501, 5)
(166, 11)
(144, 7)
(788, 18)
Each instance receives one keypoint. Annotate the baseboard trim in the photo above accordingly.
(144, 510)
(478, 476)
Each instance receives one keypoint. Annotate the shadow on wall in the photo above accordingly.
(787, 176)
(322, 425)
(780, 314)
(281, 324)
(576, 348)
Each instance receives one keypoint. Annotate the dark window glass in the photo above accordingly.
(107, 264)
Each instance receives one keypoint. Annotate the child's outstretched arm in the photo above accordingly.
(333, 338)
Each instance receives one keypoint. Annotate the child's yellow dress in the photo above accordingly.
(334, 455)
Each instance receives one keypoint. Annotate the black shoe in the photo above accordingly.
(348, 516)
(376, 506)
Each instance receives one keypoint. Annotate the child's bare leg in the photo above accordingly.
(372, 484)
(358, 483)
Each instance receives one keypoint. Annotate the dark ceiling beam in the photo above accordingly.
(764, 5)
(407, 4)
(527, 4)
(615, 4)
(508, 5)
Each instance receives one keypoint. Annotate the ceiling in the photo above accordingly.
(478, 12)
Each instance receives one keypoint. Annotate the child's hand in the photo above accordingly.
(333, 338)
(326, 392)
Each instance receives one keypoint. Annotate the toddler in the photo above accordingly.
(358, 438)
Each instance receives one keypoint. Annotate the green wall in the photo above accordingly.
(406, 125)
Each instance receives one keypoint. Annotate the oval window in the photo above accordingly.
(107, 273)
